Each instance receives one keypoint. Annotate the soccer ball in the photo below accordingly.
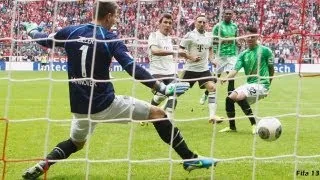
(269, 129)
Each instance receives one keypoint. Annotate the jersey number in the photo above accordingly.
(252, 91)
(84, 49)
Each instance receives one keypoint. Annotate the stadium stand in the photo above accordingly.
(281, 23)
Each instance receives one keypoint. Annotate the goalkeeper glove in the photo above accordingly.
(29, 27)
(173, 88)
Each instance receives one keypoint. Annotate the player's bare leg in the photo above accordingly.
(157, 99)
(205, 95)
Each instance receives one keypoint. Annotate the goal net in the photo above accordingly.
(35, 113)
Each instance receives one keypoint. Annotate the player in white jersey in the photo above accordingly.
(162, 64)
(160, 48)
(198, 47)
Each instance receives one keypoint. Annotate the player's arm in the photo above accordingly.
(215, 33)
(122, 55)
(271, 71)
(238, 41)
(270, 64)
(237, 67)
(217, 36)
(155, 50)
(211, 56)
(184, 44)
(230, 75)
(45, 39)
(187, 55)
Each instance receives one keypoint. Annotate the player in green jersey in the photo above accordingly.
(255, 60)
(225, 50)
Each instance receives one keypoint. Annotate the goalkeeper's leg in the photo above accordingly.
(62, 151)
(165, 129)
(172, 136)
(79, 132)
(171, 106)
(157, 99)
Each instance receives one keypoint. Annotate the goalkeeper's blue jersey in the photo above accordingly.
(88, 65)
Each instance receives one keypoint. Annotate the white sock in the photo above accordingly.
(169, 110)
(212, 104)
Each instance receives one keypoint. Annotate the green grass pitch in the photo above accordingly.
(22, 98)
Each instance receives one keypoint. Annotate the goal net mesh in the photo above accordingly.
(35, 103)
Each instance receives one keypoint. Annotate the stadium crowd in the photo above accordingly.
(281, 24)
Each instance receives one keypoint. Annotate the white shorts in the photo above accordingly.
(122, 110)
(225, 64)
(253, 92)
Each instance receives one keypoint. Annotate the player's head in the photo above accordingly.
(200, 23)
(227, 15)
(252, 33)
(165, 24)
(106, 13)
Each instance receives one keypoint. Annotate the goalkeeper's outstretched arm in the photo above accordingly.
(120, 52)
(46, 40)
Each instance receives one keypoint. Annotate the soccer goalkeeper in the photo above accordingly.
(89, 59)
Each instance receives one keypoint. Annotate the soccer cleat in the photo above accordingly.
(203, 99)
(254, 129)
(227, 129)
(35, 171)
(216, 120)
(202, 162)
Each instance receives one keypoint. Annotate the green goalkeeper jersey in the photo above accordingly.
(227, 30)
(248, 60)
